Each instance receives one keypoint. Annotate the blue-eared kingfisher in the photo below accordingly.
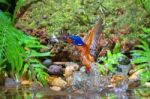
(87, 47)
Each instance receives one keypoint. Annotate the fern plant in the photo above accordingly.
(106, 63)
(9, 46)
(32, 65)
(146, 33)
(145, 4)
(16, 48)
(142, 60)
(18, 6)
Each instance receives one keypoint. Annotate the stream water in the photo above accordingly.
(46, 93)
(83, 86)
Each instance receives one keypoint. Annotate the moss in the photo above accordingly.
(77, 16)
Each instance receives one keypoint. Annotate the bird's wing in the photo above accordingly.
(93, 36)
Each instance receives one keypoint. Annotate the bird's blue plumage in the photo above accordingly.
(76, 40)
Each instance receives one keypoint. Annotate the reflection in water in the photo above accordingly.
(83, 86)
(46, 93)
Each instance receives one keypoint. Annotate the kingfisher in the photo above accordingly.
(87, 47)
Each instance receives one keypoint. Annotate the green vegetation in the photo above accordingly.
(75, 17)
(145, 4)
(126, 21)
(142, 60)
(18, 52)
(107, 63)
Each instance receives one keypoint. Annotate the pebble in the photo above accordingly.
(55, 88)
(47, 62)
(55, 70)
(59, 82)
(9, 82)
(70, 68)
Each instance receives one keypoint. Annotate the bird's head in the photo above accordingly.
(75, 40)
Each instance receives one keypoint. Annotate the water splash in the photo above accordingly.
(94, 81)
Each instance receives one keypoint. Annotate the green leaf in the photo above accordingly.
(4, 2)
(116, 49)
(17, 8)
(37, 54)
(141, 60)
(4, 19)
(147, 6)
(146, 30)
(145, 77)
(141, 66)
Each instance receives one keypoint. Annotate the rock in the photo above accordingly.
(124, 60)
(9, 82)
(119, 81)
(132, 85)
(50, 79)
(69, 80)
(136, 75)
(36, 86)
(72, 64)
(55, 70)
(26, 82)
(82, 69)
(80, 81)
(47, 62)
(70, 68)
(55, 88)
(59, 82)
(122, 69)
(69, 71)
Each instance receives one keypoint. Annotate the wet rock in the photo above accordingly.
(82, 69)
(69, 71)
(55, 70)
(135, 76)
(76, 66)
(9, 82)
(36, 86)
(121, 69)
(59, 82)
(124, 60)
(69, 80)
(119, 81)
(50, 79)
(70, 68)
(55, 88)
(134, 84)
(26, 82)
(47, 62)
(77, 81)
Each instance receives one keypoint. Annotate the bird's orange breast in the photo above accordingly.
(85, 56)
